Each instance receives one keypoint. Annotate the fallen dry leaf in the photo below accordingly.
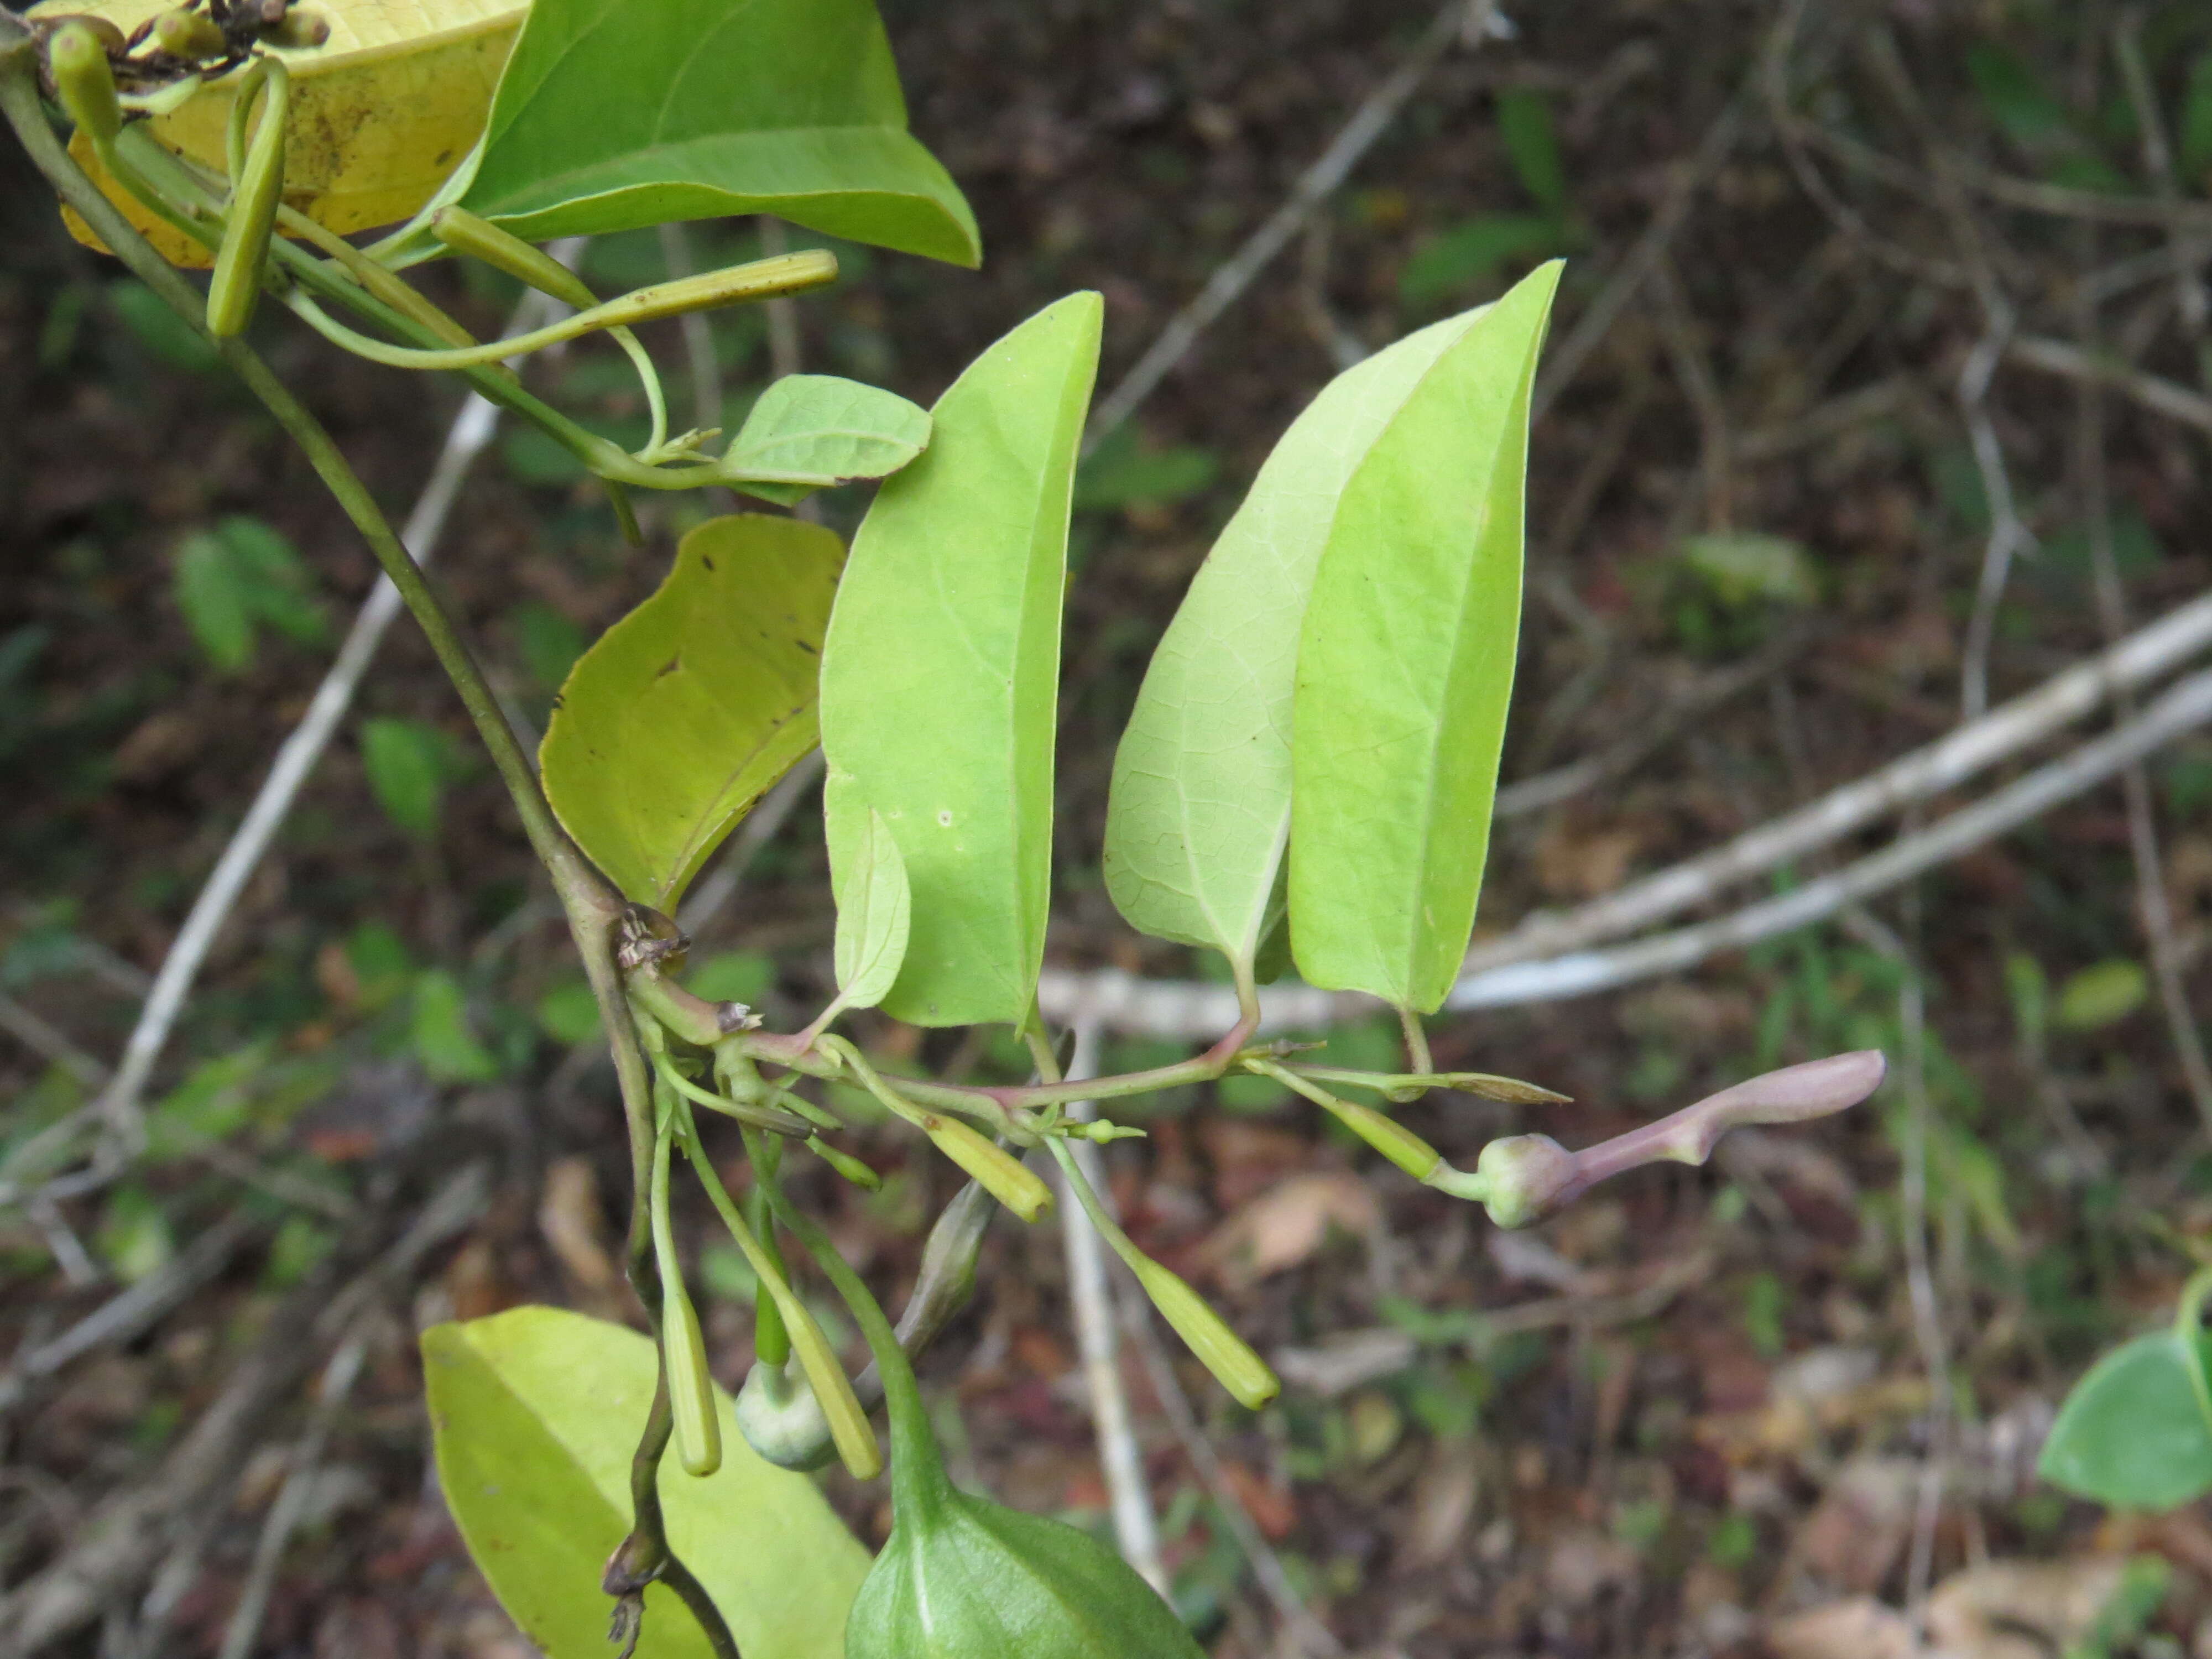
(1859, 1628)
(1286, 1224)
(2020, 1609)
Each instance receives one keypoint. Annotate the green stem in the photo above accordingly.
(919, 1483)
(591, 905)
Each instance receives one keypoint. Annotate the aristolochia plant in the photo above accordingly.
(1306, 781)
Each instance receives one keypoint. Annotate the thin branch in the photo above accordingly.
(1455, 20)
(1121, 1002)
(50, 1043)
(2007, 535)
(2165, 397)
(1090, 1294)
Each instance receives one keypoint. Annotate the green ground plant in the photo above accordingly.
(1306, 783)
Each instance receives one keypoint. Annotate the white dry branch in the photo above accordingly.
(1455, 20)
(466, 440)
(1090, 1295)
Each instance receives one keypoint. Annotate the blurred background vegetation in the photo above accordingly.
(1703, 1414)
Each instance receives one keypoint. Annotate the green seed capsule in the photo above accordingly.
(84, 79)
(256, 189)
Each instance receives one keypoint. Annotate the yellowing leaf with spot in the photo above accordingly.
(380, 115)
(671, 726)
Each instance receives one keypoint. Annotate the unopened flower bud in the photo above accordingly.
(1006, 1178)
(1226, 1354)
(84, 79)
(1522, 1176)
(190, 34)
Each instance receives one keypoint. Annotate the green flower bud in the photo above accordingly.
(1520, 1176)
(1226, 1354)
(256, 189)
(190, 34)
(83, 78)
(300, 30)
(690, 1384)
(962, 1577)
(1006, 1178)
(845, 1164)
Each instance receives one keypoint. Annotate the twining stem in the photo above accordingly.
(592, 906)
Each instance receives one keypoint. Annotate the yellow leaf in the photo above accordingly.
(380, 115)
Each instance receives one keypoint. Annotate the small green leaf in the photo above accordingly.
(1524, 122)
(941, 675)
(2133, 1433)
(446, 1048)
(1472, 252)
(1199, 812)
(2101, 994)
(1405, 666)
(817, 431)
(2029, 990)
(1126, 472)
(671, 726)
(547, 641)
(1743, 568)
(874, 909)
(569, 1013)
(407, 762)
(168, 337)
(536, 1411)
(2194, 143)
(733, 976)
(2015, 100)
(614, 114)
(237, 575)
(135, 1238)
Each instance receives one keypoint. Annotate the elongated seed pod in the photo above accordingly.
(84, 79)
(464, 233)
(682, 1346)
(257, 188)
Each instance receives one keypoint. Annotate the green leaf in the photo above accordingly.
(1472, 252)
(547, 641)
(135, 1238)
(2193, 144)
(1744, 568)
(237, 575)
(2103, 994)
(940, 674)
(733, 976)
(2015, 98)
(1125, 472)
(1199, 812)
(1405, 666)
(168, 337)
(614, 114)
(818, 430)
(536, 1413)
(671, 726)
(1524, 122)
(445, 1045)
(874, 908)
(569, 1013)
(2135, 1433)
(407, 762)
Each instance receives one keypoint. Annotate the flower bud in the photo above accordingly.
(965, 1578)
(845, 1164)
(1520, 1177)
(1390, 1138)
(298, 30)
(190, 34)
(690, 1384)
(1006, 1178)
(1226, 1354)
(84, 79)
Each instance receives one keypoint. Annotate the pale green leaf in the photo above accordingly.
(406, 762)
(214, 601)
(818, 430)
(1743, 567)
(536, 1411)
(446, 1048)
(1405, 667)
(874, 909)
(2133, 1433)
(1199, 812)
(941, 671)
(2103, 994)
(671, 726)
(618, 113)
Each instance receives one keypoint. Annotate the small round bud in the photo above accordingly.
(1522, 1177)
